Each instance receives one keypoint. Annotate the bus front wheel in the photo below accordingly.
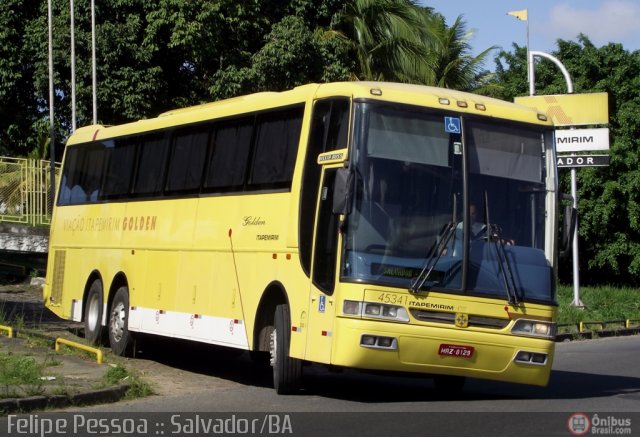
(93, 313)
(120, 338)
(287, 371)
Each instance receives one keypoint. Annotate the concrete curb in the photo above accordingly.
(92, 397)
(102, 396)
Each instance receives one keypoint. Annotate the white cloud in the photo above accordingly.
(612, 21)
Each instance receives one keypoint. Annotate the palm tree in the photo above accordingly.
(398, 40)
(453, 64)
(384, 37)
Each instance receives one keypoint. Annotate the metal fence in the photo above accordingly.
(24, 191)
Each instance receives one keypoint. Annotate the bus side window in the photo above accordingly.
(83, 185)
(231, 143)
(68, 176)
(120, 159)
(187, 161)
(150, 171)
(276, 146)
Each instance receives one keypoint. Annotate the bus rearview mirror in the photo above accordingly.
(341, 191)
(568, 228)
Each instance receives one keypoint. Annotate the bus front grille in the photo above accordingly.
(450, 318)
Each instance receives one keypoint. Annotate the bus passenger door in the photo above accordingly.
(322, 304)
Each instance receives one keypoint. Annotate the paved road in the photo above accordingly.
(597, 376)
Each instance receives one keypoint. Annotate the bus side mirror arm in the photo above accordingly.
(568, 227)
(342, 191)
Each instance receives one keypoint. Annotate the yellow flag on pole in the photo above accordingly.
(522, 15)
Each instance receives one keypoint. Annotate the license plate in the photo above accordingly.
(452, 350)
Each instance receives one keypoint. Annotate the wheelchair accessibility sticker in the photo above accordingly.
(452, 125)
(322, 303)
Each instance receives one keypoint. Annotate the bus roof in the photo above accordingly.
(421, 95)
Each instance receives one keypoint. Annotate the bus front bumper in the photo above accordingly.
(375, 345)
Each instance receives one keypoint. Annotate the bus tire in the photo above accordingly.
(287, 371)
(93, 313)
(120, 339)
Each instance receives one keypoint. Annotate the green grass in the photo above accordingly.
(20, 375)
(602, 303)
(119, 375)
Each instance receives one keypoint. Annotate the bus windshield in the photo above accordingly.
(456, 204)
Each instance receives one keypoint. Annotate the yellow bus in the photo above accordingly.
(362, 225)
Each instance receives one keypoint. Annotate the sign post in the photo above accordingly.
(572, 110)
(574, 183)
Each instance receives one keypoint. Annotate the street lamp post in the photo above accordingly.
(93, 62)
(73, 67)
(574, 179)
(52, 130)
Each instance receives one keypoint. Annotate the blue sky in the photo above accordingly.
(603, 21)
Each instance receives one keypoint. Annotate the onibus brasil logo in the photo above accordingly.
(581, 424)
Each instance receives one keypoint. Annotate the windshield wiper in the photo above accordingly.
(494, 235)
(439, 248)
(434, 256)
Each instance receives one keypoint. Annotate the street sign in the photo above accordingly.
(582, 140)
(582, 161)
(571, 109)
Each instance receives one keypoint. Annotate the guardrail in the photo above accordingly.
(12, 333)
(8, 330)
(595, 329)
(603, 325)
(74, 344)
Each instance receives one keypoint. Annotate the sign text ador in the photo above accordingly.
(583, 161)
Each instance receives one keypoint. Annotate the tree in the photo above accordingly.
(384, 37)
(453, 64)
(397, 40)
(156, 56)
(293, 55)
(608, 197)
(18, 109)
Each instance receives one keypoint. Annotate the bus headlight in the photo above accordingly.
(534, 328)
(351, 308)
(374, 310)
(386, 312)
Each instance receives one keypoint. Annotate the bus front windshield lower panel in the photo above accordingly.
(406, 224)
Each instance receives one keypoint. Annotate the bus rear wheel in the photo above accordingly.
(120, 339)
(287, 371)
(93, 313)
